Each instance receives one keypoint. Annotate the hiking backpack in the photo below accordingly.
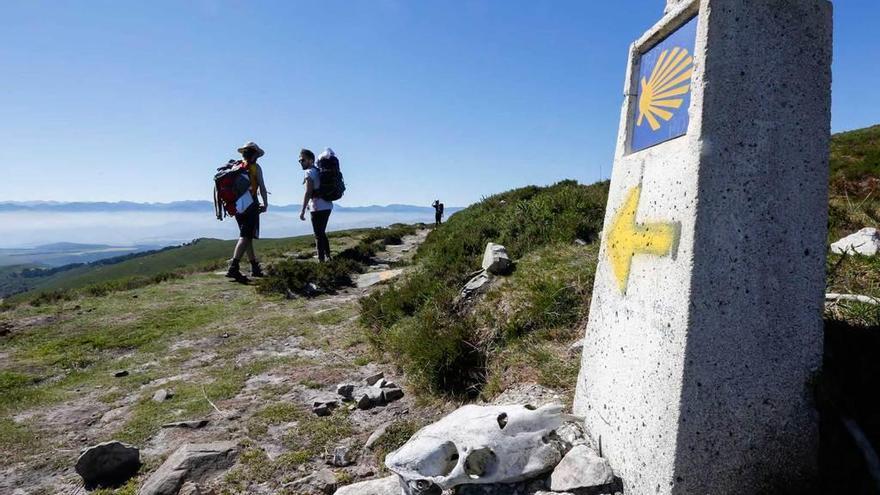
(332, 185)
(232, 187)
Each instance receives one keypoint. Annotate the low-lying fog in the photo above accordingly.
(32, 228)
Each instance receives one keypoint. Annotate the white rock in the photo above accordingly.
(384, 486)
(495, 259)
(162, 395)
(865, 242)
(573, 434)
(475, 284)
(580, 468)
(481, 445)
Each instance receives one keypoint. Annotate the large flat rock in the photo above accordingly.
(191, 462)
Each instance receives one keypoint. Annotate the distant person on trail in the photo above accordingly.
(318, 207)
(249, 219)
(438, 212)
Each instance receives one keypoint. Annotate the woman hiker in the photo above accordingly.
(249, 219)
(320, 208)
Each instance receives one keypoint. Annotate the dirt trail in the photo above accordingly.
(251, 365)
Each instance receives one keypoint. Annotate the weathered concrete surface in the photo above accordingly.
(695, 376)
(672, 4)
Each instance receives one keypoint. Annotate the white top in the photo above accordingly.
(316, 203)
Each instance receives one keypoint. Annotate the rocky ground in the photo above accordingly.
(202, 360)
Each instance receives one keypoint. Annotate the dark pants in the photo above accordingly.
(438, 218)
(319, 225)
(249, 222)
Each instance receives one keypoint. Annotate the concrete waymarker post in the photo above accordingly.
(705, 324)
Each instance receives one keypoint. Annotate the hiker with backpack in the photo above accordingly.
(323, 185)
(438, 212)
(237, 186)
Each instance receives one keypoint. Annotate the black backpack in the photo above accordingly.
(332, 185)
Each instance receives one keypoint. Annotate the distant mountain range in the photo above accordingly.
(185, 206)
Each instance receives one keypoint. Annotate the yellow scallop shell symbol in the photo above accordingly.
(669, 82)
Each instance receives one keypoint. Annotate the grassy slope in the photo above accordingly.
(201, 335)
(204, 254)
(855, 155)
(10, 283)
(447, 347)
(854, 204)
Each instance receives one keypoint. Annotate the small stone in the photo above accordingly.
(580, 468)
(321, 410)
(495, 259)
(341, 457)
(108, 464)
(383, 486)
(580, 242)
(372, 379)
(121, 373)
(162, 395)
(391, 394)
(331, 404)
(376, 436)
(193, 424)
(323, 481)
(475, 285)
(364, 471)
(573, 434)
(345, 390)
(376, 396)
(576, 348)
(364, 402)
(311, 290)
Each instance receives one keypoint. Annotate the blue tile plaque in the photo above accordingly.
(664, 89)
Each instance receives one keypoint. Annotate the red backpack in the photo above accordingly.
(232, 185)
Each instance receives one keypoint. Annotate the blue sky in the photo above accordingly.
(140, 101)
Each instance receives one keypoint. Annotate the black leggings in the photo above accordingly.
(319, 225)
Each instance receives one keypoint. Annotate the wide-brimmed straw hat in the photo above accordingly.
(253, 146)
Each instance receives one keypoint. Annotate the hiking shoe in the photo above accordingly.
(256, 271)
(234, 271)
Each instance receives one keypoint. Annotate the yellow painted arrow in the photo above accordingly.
(626, 238)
